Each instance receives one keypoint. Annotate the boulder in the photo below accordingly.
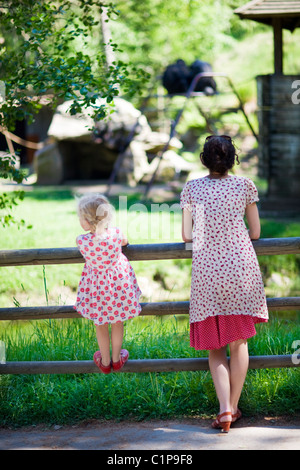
(84, 149)
(48, 165)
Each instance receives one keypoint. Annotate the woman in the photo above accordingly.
(227, 292)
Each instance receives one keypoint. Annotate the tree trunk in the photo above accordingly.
(106, 38)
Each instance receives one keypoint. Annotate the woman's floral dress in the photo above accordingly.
(227, 291)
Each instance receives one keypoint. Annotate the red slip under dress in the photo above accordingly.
(227, 293)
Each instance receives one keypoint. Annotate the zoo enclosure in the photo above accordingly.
(163, 251)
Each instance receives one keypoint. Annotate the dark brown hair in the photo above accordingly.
(219, 154)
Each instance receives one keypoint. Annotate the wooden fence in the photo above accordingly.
(162, 251)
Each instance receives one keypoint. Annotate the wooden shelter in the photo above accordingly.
(278, 114)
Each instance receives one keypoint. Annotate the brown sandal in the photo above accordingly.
(224, 425)
(236, 416)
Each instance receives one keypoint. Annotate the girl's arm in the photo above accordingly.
(124, 242)
(187, 226)
(123, 238)
(252, 217)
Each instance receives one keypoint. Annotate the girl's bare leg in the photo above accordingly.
(117, 333)
(102, 334)
(219, 368)
(238, 364)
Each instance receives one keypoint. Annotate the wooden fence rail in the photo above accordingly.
(159, 251)
(162, 251)
(141, 365)
(152, 308)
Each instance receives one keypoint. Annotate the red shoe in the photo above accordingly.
(123, 359)
(97, 360)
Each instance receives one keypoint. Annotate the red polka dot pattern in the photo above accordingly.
(217, 332)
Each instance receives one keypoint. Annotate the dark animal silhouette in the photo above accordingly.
(178, 77)
(205, 84)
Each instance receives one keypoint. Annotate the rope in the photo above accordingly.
(20, 141)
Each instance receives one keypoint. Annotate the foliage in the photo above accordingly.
(155, 33)
(52, 56)
(65, 399)
(45, 50)
(9, 200)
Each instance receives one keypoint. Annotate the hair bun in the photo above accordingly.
(218, 154)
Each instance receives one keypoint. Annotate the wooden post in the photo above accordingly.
(278, 46)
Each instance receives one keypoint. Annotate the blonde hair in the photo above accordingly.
(96, 210)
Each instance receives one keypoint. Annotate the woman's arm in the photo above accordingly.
(252, 217)
(187, 226)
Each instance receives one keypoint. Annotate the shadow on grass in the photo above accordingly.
(271, 228)
(62, 193)
(52, 193)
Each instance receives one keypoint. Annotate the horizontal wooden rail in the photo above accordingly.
(159, 251)
(141, 365)
(151, 308)
(270, 246)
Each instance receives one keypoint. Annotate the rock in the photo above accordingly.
(84, 149)
(79, 127)
(156, 141)
(48, 165)
(170, 166)
(64, 126)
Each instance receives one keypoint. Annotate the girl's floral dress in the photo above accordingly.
(108, 291)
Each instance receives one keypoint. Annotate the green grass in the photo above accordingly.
(70, 398)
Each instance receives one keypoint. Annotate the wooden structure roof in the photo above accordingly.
(280, 14)
(265, 11)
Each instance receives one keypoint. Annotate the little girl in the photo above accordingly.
(108, 292)
(227, 292)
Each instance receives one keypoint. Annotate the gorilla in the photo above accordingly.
(178, 77)
(205, 84)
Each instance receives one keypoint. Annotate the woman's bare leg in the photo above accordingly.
(219, 368)
(229, 377)
(238, 364)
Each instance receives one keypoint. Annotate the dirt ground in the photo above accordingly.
(272, 433)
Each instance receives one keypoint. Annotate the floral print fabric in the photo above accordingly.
(108, 291)
(226, 278)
